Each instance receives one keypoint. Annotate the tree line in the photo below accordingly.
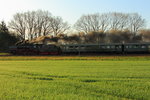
(90, 28)
(6, 38)
(110, 21)
(33, 24)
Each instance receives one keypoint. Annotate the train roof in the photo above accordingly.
(92, 44)
(136, 43)
(105, 44)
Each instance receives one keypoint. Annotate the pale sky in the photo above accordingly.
(71, 10)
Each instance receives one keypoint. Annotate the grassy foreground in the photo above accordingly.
(76, 79)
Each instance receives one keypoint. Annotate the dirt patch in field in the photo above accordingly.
(76, 57)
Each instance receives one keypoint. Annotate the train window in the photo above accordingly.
(112, 47)
(76, 47)
(87, 46)
(34, 46)
(130, 46)
(136, 46)
(103, 47)
(82, 47)
(108, 47)
(71, 47)
(66, 47)
(143, 46)
(117, 46)
(127, 46)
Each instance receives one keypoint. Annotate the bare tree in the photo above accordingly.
(18, 24)
(37, 23)
(47, 23)
(43, 23)
(136, 22)
(58, 26)
(30, 23)
(114, 21)
(81, 24)
(124, 21)
(88, 23)
(92, 22)
(103, 22)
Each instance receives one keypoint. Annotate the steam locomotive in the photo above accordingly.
(51, 49)
(35, 49)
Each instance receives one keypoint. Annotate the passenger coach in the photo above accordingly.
(137, 48)
(107, 48)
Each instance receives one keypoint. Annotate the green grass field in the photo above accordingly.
(77, 79)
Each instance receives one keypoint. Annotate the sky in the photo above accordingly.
(72, 10)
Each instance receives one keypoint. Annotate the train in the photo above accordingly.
(107, 48)
(35, 49)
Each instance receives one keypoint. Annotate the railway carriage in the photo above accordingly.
(92, 48)
(137, 48)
